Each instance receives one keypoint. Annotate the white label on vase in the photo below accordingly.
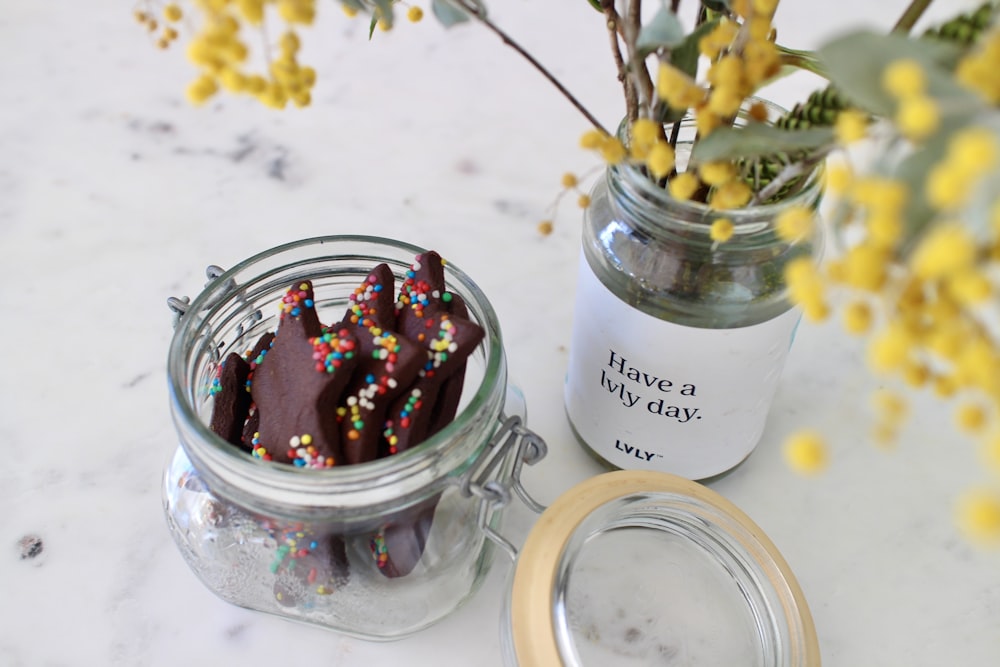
(645, 393)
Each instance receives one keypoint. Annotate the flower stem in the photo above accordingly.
(801, 60)
(911, 15)
(509, 41)
(641, 79)
(613, 24)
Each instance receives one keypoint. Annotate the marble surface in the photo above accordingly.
(115, 194)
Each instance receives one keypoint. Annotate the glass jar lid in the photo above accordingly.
(646, 568)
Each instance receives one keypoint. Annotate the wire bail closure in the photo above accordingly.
(180, 305)
(512, 446)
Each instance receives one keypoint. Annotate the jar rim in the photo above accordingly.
(700, 213)
(341, 487)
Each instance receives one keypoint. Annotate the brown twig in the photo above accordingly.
(642, 80)
(474, 12)
(614, 26)
(911, 15)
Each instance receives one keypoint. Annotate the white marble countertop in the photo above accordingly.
(115, 194)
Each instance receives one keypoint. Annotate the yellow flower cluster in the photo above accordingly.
(972, 152)
(979, 515)
(611, 149)
(722, 230)
(795, 223)
(891, 409)
(932, 333)
(220, 49)
(806, 452)
(171, 14)
(979, 70)
(851, 125)
(649, 148)
(922, 297)
(743, 55)
(917, 115)
(806, 288)
(570, 184)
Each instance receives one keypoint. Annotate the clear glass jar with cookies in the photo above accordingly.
(392, 496)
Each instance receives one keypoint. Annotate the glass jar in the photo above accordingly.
(678, 341)
(313, 545)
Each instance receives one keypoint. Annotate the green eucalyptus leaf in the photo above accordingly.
(757, 140)
(447, 13)
(371, 26)
(596, 4)
(856, 61)
(664, 30)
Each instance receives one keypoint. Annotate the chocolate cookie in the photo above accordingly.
(388, 364)
(450, 394)
(427, 313)
(399, 546)
(232, 401)
(422, 295)
(373, 301)
(251, 435)
(435, 319)
(298, 383)
(448, 342)
(252, 424)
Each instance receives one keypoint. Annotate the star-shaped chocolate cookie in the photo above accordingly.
(388, 364)
(422, 313)
(298, 383)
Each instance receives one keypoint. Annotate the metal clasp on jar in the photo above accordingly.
(180, 305)
(513, 445)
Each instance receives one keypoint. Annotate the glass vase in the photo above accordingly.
(678, 340)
